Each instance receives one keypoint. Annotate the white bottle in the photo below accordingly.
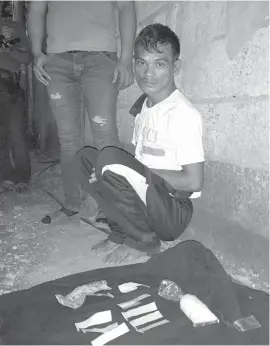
(196, 310)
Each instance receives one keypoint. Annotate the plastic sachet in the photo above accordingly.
(130, 286)
(245, 324)
(76, 298)
(170, 290)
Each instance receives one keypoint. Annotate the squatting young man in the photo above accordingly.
(148, 197)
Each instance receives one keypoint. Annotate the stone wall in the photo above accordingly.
(225, 73)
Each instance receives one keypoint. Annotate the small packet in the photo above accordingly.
(130, 286)
(140, 310)
(100, 330)
(76, 298)
(153, 325)
(97, 318)
(169, 290)
(111, 335)
(134, 302)
(247, 323)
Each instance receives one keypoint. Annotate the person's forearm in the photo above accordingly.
(179, 180)
(36, 25)
(127, 28)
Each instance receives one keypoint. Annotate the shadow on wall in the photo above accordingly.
(243, 19)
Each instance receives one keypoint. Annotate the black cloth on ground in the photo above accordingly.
(34, 316)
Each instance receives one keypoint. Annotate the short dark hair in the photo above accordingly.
(154, 34)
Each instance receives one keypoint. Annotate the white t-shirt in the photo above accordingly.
(169, 134)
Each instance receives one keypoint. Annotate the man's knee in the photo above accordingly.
(109, 156)
(85, 157)
(107, 153)
(107, 139)
(79, 157)
(86, 152)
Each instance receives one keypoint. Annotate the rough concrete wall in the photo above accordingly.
(225, 74)
(232, 94)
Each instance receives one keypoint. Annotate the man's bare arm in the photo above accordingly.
(123, 73)
(36, 30)
(127, 28)
(36, 25)
(189, 179)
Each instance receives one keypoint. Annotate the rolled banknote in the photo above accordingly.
(76, 298)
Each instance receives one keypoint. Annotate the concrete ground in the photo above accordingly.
(32, 253)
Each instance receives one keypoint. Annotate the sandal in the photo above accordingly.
(7, 185)
(101, 218)
(60, 215)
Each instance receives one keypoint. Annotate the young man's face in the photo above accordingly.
(155, 71)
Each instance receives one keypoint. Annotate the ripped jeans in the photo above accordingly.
(81, 78)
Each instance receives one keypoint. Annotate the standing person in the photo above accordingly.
(81, 65)
(14, 51)
(148, 198)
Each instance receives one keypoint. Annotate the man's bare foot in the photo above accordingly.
(165, 245)
(124, 253)
(104, 246)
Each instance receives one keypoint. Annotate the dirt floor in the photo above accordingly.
(32, 253)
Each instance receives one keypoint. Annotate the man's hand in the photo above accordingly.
(41, 74)
(123, 74)
(127, 28)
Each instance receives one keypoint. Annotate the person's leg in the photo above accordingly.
(169, 215)
(85, 161)
(100, 98)
(162, 215)
(168, 212)
(103, 191)
(18, 142)
(120, 194)
(40, 115)
(65, 101)
(6, 170)
(44, 125)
